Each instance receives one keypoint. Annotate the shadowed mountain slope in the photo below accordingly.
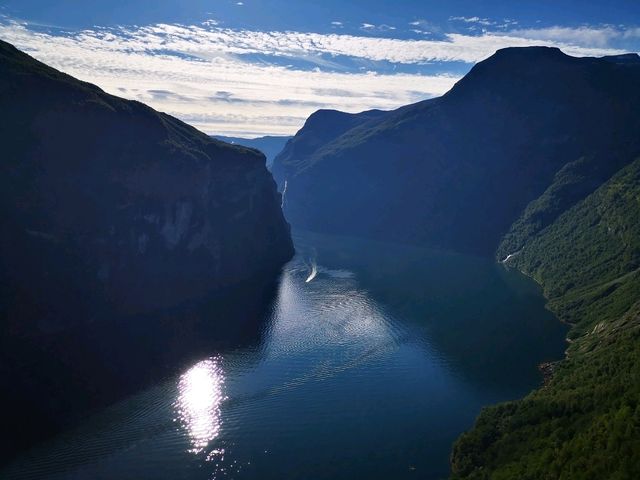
(458, 170)
(118, 224)
(106, 201)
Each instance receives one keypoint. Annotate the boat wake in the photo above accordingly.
(313, 273)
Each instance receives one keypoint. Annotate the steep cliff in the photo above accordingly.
(109, 206)
(131, 243)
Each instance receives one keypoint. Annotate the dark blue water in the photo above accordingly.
(373, 359)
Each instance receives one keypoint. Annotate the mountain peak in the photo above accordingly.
(512, 56)
(524, 69)
(532, 51)
(326, 115)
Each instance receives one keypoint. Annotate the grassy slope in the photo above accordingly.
(585, 423)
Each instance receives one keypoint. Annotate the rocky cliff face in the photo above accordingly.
(131, 243)
(457, 171)
(109, 207)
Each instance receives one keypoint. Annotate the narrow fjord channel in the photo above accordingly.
(373, 358)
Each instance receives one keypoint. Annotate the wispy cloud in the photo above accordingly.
(209, 41)
(422, 23)
(370, 27)
(214, 89)
(584, 35)
(422, 26)
(223, 81)
(478, 20)
(476, 23)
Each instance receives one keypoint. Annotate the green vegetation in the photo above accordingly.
(585, 422)
(573, 182)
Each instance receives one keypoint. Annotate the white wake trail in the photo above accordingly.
(314, 271)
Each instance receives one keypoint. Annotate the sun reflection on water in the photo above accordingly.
(199, 400)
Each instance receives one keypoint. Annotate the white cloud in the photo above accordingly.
(631, 33)
(585, 35)
(211, 89)
(208, 75)
(478, 20)
(421, 22)
(208, 43)
(369, 27)
(423, 27)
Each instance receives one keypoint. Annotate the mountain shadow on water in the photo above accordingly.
(52, 382)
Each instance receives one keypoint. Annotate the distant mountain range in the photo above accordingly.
(269, 145)
(533, 157)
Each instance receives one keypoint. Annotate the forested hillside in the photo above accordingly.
(585, 422)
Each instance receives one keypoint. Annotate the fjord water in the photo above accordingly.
(368, 369)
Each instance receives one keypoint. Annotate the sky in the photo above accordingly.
(261, 67)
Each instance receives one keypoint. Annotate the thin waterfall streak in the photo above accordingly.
(284, 191)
